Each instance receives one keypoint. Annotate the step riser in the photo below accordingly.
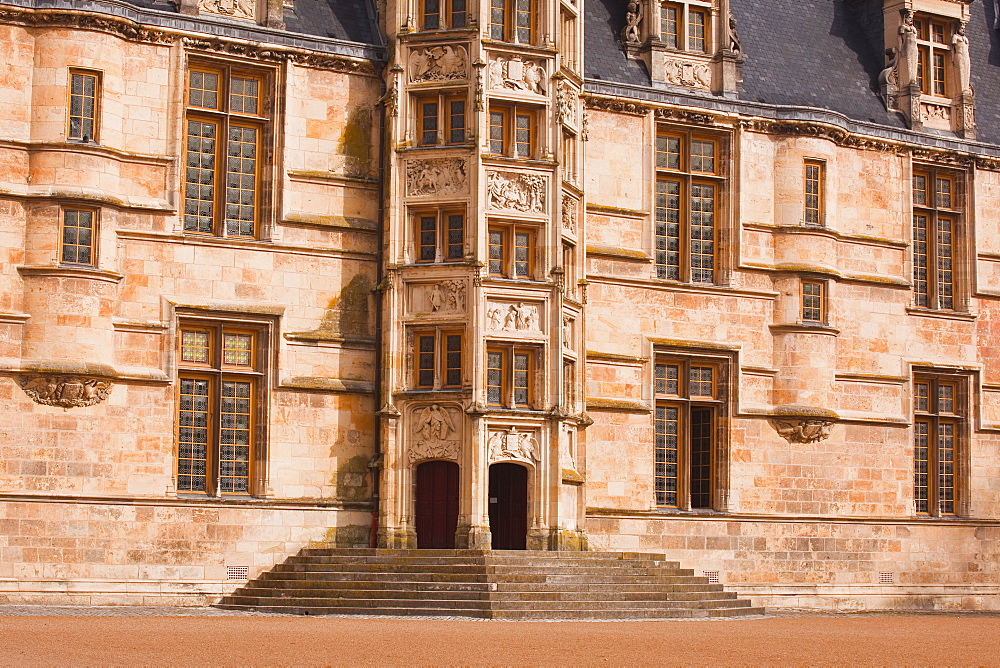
(478, 584)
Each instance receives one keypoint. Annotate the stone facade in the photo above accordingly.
(555, 277)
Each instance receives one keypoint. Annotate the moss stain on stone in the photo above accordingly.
(356, 141)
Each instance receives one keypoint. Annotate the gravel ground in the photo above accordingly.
(48, 636)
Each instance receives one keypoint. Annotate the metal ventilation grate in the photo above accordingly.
(885, 578)
(713, 577)
(238, 572)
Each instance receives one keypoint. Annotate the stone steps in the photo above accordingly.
(485, 584)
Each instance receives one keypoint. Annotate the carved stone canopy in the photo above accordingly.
(65, 391)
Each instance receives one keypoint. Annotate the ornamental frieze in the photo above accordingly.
(436, 176)
(516, 191)
(439, 63)
(65, 391)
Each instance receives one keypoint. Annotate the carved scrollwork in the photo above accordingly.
(520, 192)
(803, 430)
(65, 391)
(688, 74)
(513, 444)
(237, 9)
(616, 105)
(439, 63)
(435, 433)
(517, 74)
(436, 176)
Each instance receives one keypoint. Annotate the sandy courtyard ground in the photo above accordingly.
(192, 638)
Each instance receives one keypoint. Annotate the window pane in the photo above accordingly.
(945, 276)
(696, 30)
(668, 152)
(82, 106)
(428, 123)
(237, 349)
(195, 346)
(497, 132)
(498, 19)
(241, 181)
(453, 361)
(192, 442)
(668, 229)
(812, 302)
(703, 156)
(667, 434)
(522, 372)
(456, 237)
(432, 10)
(702, 233)
(920, 189)
(701, 382)
(522, 255)
(946, 468)
(234, 438)
(497, 253)
(494, 378)
(203, 89)
(458, 14)
(427, 240)
(522, 136)
(667, 379)
(921, 397)
(78, 237)
(524, 21)
(670, 25)
(701, 458)
(425, 361)
(199, 176)
(920, 466)
(243, 95)
(812, 192)
(456, 121)
(921, 292)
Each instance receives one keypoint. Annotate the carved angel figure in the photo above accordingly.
(434, 424)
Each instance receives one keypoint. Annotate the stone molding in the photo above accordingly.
(65, 391)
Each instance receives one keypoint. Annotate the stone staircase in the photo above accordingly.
(485, 584)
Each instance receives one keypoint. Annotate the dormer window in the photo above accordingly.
(933, 55)
(685, 25)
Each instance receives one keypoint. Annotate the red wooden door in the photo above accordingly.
(437, 505)
(508, 506)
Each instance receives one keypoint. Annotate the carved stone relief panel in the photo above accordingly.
(569, 331)
(516, 191)
(511, 444)
(65, 391)
(569, 213)
(518, 318)
(688, 74)
(439, 63)
(566, 104)
(935, 112)
(436, 176)
(567, 447)
(237, 9)
(446, 296)
(514, 73)
(436, 433)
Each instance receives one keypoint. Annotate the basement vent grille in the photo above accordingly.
(713, 577)
(238, 572)
(885, 578)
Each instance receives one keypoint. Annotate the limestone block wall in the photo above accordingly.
(88, 493)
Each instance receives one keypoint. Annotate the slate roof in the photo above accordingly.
(811, 53)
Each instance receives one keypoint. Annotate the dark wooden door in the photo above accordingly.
(508, 506)
(437, 505)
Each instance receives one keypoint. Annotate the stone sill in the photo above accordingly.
(594, 512)
(67, 271)
(804, 328)
(937, 313)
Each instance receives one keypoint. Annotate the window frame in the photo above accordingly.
(440, 359)
(443, 119)
(215, 373)
(509, 262)
(933, 417)
(443, 247)
(689, 182)
(92, 247)
(224, 119)
(95, 117)
(509, 29)
(445, 15)
(930, 52)
(813, 302)
(508, 371)
(682, 35)
(814, 215)
(686, 400)
(943, 288)
(508, 142)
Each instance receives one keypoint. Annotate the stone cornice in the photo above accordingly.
(160, 28)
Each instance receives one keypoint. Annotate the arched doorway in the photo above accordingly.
(437, 505)
(508, 506)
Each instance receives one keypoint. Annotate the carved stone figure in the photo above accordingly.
(888, 80)
(802, 430)
(237, 9)
(633, 17)
(517, 74)
(518, 317)
(688, 74)
(734, 39)
(566, 104)
(935, 112)
(444, 297)
(908, 47)
(65, 391)
(512, 444)
(436, 176)
(569, 214)
(960, 58)
(520, 192)
(435, 297)
(439, 63)
(435, 434)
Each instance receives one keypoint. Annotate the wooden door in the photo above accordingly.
(508, 506)
(437, 505)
